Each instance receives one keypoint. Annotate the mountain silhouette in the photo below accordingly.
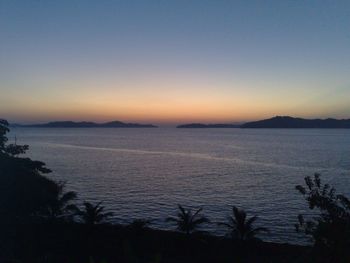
(72, 124)
(290, 122)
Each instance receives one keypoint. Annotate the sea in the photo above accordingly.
(144, 173)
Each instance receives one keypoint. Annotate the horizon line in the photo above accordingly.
(165, 123)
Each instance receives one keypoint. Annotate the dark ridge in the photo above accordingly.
(290, 122)
(201, 125)
(71, 124)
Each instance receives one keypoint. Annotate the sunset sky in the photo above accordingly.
(173, 61)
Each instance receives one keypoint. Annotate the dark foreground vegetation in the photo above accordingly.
(73, 242)
(41, 222)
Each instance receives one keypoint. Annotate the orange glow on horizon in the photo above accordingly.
(164, 101)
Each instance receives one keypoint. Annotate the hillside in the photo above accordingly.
(71, 124)
(290, 122)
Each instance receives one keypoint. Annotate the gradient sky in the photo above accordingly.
(173, 61)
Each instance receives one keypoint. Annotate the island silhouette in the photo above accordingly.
(84, 124)
(274, 122)
(290, 122)
(280, 122)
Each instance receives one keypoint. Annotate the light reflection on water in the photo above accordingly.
(145, 173)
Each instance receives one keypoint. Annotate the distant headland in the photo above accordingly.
(275, 122)
(290, 122)
(280, 122)
(72, 124)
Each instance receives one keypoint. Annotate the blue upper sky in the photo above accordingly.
(174, 61)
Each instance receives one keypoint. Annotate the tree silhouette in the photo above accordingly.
(24, 191)
(3, 130)
(240, 227)
(9, 149)
(330, 230)
(188, 222)
(93, 214)
(61, 207)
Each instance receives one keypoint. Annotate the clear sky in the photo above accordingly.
(173, 61)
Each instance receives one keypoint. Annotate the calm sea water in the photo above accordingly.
(145, 173)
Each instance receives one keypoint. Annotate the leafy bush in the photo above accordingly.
(330, 229)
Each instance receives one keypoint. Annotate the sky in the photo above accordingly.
(169, 62)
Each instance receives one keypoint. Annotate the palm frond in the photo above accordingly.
(197, 212)
(251, 220)
(240, 227)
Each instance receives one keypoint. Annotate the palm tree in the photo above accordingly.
(187, 221)
(93, 214)
(61, 206)
(241, 227)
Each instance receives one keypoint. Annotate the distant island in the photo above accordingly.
(275, 122)
(290, 122)
(200, 125)
(72, 124)
(280, 122)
